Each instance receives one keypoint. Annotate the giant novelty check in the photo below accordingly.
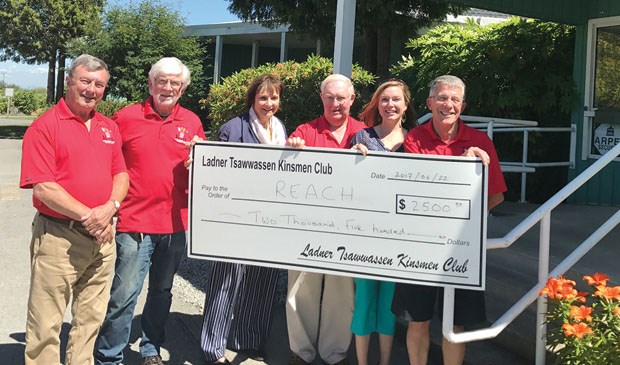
(387, 216)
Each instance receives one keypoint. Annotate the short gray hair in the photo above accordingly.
(90, 63)
(337, 77)
(170, 65)
(447, 80)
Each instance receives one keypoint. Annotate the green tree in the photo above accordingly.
(38, 31)
(531, 79)
(377, 20)
(130, 39)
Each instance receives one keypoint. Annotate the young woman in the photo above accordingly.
(388, 116)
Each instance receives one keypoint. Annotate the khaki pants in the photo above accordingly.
(66, 261)
(313, 318)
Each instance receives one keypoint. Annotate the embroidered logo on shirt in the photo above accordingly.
(181, 135)
(107, 136)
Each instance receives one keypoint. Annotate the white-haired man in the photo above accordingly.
(152, 221)
(319, 307)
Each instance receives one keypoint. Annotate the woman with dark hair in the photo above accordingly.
(389, 115)
(239, 298)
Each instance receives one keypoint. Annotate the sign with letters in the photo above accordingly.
(386, 216)
(606, 136)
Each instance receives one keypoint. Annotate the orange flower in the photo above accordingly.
(597, 279)
(550, 288)
(581, 296)
(565, 282)
(578, 330)
(566, 289)
(581, 313)
(608, 292)
(559, 288)
(616, 311)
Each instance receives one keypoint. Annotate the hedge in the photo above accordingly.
(300, 101)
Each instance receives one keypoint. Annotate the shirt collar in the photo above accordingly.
(149, 111)
(462, 135)
(322, 124)
(65, 113)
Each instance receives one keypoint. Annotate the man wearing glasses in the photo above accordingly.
(447, 135)
(319, 306)
(152, 221)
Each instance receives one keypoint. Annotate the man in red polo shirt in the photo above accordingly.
(446, 134)
(152, 221)
(309, 314)
(72, 159)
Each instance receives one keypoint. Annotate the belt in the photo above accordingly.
(65, 222)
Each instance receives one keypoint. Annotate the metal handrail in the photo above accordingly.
(486, 120)
(542, 215)
(537, 164)
(502, 125)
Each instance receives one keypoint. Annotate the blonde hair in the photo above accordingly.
(370, 114)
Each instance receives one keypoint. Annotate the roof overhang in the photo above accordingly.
(559, 11)
(245, 33)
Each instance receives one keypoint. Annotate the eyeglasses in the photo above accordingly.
(444, 99)
(175, 84)
(338, 99)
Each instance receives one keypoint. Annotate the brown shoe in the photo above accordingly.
(152, 360)
(296, 360)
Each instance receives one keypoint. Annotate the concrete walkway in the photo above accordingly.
(510, 271)
(15, 120)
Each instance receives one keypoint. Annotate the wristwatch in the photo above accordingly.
(116, 203)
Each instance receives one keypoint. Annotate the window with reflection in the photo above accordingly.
(606, 124)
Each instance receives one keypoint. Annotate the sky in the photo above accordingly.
(194, 11)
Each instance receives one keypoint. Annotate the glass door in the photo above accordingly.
(602, 104)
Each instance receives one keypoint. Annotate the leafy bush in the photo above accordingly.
(29, 101)
(519, 69)
(110, 106)
(300, 101)
(3, 102)
(41, 111)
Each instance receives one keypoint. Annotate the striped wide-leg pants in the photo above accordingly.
(239, 299)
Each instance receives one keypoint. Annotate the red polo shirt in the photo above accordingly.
(58, 147)
(424, 140)
(154, 152)
(316, 133)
